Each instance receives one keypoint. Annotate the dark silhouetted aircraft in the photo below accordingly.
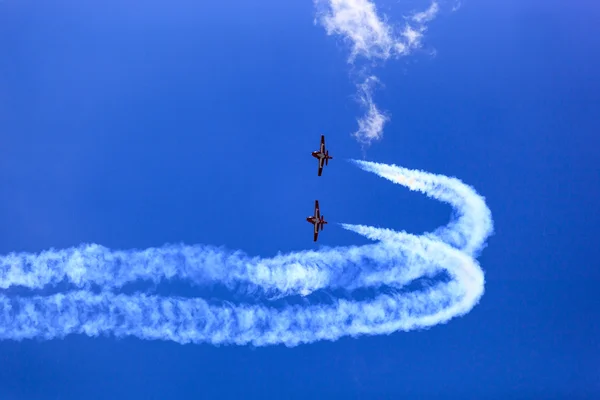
(322, 155)
(317, 220)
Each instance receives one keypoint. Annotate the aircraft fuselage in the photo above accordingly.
(318, 154)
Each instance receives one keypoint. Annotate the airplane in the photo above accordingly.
(322, 155)
(317, 220)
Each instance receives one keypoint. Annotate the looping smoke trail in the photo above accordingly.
(395, 260)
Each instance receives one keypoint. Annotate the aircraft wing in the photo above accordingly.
(317, 211)
(322, 144)
(316, 235)
(320, 166)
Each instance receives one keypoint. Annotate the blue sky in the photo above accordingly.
(132, 126)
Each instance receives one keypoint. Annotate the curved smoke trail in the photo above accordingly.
(395, 260)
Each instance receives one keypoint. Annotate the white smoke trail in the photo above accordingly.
(396, 260)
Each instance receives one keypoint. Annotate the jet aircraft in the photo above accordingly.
(322, 155)
(317, 220)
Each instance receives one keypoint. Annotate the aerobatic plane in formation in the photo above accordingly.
(322, 155)
(317, 220)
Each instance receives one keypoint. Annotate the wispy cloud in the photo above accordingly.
(93, 306)
(368, 32)
(427, 15)
(358, 22)
(370, 125)
(371, 36)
